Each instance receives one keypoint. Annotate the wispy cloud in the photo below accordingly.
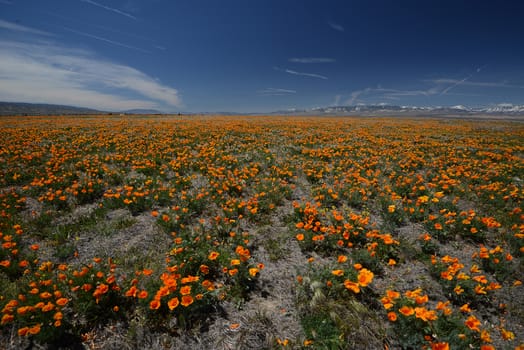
(103, 29)
(15, 27)
(312, 60)
(434, 88)
(455, 82)
(49, 73)
(336, 26)
(276, 92)
(462, 81)
(311, 75)
(112, 9)
(6, 2)
(399, 93)
(390, 94)
(354, 96)
(112, 42)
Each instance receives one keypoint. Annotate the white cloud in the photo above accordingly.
(336, 26)
(455, 82)
(48, 73)
(462, 81)
(390, 94)
(354, 96)
(112, 42)
(312, 75)
(112, 9)
(276, 92)
(21, 29)
(312, 60)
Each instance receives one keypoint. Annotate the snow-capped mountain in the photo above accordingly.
(384, 109)
(505, 108)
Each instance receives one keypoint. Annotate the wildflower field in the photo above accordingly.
(174, 232)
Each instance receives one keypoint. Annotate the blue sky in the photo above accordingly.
(261, 55)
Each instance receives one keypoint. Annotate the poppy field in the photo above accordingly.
(261, 232)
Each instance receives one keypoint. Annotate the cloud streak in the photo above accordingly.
(462, 81)
(276, 92)
(48, 73)
(336, 26)
(14, 27)
(390, 94)
(434, 88)
(312, 60)
(112, 42)
(310, 75)
(455, 82)
(112, 9)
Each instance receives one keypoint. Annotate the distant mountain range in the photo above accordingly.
(19, 108)
(383, 109)
(141, 111)
(504, 109)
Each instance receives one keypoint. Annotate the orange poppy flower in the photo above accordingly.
(352, 286)
(173, 303)
(185, 290)
(154, 304)
(365, 277)
(23, 331)
(342, 259)
(439, 346)
(187, 300)
(406, 310)
(34, 330)
(213, 255)
(61, 301)
(392, 316)
(473, 323)
(337, 272)
(7, 318)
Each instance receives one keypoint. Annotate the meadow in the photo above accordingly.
(260, 232)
